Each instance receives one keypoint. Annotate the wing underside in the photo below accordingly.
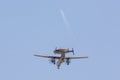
(76, 57)
(56, 57)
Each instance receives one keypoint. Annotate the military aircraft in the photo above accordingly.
(62, 58)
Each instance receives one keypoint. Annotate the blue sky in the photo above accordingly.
(30, 27)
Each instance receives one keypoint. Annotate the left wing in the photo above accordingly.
(56, 57)
(76, 57)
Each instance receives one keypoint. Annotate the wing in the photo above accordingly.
(47, 56)
(76, 57)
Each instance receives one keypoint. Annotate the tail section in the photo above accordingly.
(73, 51)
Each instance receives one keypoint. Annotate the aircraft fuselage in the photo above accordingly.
(60, 60)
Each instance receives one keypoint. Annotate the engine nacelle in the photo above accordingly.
(53, 60)
(68, 61)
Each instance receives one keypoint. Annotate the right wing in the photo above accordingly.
(47, 56)
(76, 57)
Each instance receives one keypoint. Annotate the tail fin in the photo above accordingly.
(73, 51)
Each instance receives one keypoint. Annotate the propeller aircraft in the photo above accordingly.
(62, 58)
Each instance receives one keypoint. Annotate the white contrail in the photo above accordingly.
(64, 18)
(70, 31)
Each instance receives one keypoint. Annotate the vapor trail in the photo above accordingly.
(70, 31)
(64, 18)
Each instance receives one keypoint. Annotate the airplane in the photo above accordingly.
(62, 58)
